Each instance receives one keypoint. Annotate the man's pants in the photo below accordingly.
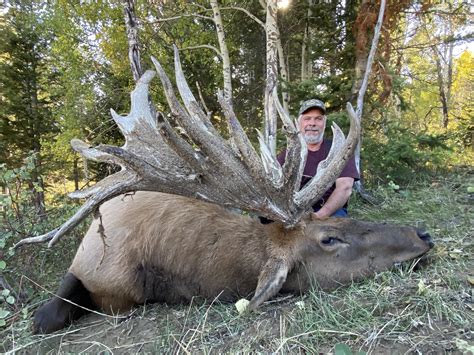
(342, 212)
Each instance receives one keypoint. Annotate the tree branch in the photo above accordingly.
(247, 12)
(226, 69)
(181, 16)
(133, 44)
(203, 46)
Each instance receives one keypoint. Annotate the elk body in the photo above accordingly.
(158, 247)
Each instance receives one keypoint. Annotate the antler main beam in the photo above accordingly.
(206, 166)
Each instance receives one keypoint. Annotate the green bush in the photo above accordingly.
(400, 154)
(19, 219)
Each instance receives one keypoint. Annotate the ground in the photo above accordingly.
(421, 307)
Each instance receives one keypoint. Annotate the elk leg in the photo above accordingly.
(57, 313)
(270, 281)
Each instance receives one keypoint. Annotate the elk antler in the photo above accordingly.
(205, 166)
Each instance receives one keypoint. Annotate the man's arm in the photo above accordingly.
(338, 198)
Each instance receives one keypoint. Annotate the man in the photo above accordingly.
(312, 123)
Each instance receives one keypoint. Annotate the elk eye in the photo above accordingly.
(330, 241)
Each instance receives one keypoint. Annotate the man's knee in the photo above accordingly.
(342, 212)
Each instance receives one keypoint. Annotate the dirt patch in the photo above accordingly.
(218, 329)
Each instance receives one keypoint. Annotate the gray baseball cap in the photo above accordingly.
(313, 103)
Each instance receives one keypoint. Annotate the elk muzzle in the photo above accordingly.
(426, 237)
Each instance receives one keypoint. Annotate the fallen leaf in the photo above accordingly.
(241, 305)
(464, 346)
(300, 304)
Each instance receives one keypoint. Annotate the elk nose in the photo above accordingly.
(426, 237)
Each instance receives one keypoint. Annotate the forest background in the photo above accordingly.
(64, 65)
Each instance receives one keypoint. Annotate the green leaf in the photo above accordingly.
(4, 313)
(3, 265)
(470, 189)
(9, 174)
(342, 349)
(5, 293)
(10, 300)
(2, 323)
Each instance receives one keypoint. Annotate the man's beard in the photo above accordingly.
(312, 139)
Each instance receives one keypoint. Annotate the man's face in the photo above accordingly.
(312, 125)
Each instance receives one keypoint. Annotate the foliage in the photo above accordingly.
(400, 154)
(19, 220)
(461, 125)
(25, 110)
(82, 72)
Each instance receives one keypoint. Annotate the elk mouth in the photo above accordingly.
(426, 237)
(417, 263)
(421, 259)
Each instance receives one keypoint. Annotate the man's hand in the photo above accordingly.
(338, 198)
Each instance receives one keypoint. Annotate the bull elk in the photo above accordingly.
(173, 238)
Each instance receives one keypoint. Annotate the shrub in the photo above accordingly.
(400, 154)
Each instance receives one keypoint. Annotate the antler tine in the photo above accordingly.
(270, 163)
(89, 206)
(333, 165)
(189, 100)
(246, 150)
(92, 153)
(211, 144)
(295, 151)
(222, 159)
(140, 111)
(100, 195)
(179, 145)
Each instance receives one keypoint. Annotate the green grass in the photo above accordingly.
(413, 308)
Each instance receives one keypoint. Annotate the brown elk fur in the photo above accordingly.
(164, 248)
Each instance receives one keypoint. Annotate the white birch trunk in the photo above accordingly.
(283, 71)
(305, 64)
(226, 69)
(270, 129)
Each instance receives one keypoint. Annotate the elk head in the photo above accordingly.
(348, 250)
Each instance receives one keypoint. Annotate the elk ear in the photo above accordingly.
(270, 281)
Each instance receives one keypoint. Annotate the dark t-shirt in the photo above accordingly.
(310, 169)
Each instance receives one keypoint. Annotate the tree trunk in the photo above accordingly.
(362, 88)
(270, 129)
(441, 88)
(224, 51)
(76, 173)
(282, 61)
(305, 60)
(36, 185)
(132, 34)
(283, 72)
(365, 21)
